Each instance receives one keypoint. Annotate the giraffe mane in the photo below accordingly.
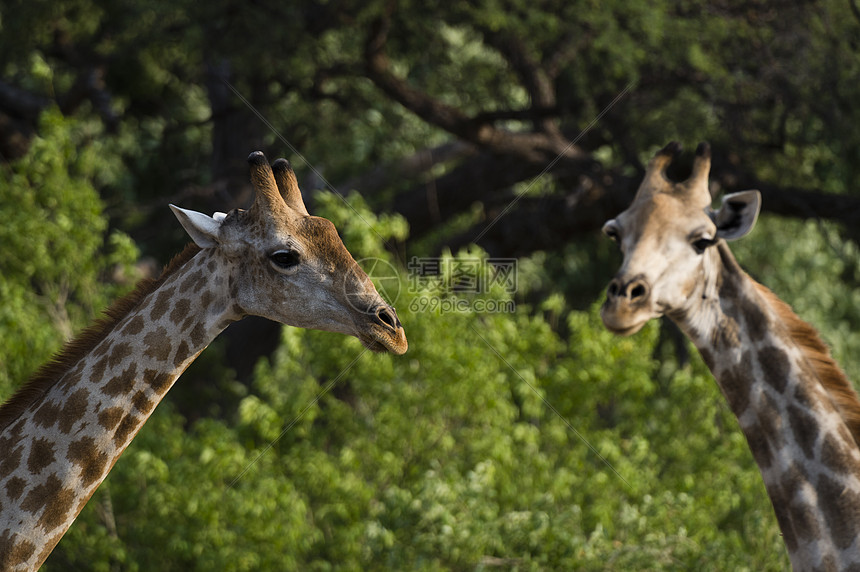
(75, 349)
(832, 378)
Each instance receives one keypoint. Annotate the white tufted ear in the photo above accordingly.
(737, 214)
(202, 228)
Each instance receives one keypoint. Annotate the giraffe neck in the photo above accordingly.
(62, 434)
(794, 417)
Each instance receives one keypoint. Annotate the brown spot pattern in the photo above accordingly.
(755, 320)
(841, 508)
(736, 389)
(12, 450)
(805, 522)
(802, 396)
(180, 311)
(52, 500)
(829, 564)
(198, 335)
(11, 456)
(86, 454)
(74, 409)
(780, 497)
(803, 516)
(41, 455)
(102, 349)
(805, 429)
(121, 384)
(836, 455)
(71, 379)
(47, 415)
(760, 447)
(157, 344)
(775, 366)
(14, 551)
(110, 417)
(134, 326)
(182, 353)
(771, 421)
(160, 382)
(118, 353)
(126, 430)
(98, 371)
(192, 282)
(708, 358)
(727, 290)
(142, 403)
(14, 487)
(161, 303)
(727, 335)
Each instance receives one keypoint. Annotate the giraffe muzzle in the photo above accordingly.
(627, 305)
(383, 331)
(633, 291)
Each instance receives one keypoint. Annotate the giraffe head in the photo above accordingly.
(291, 267)
(666, 237)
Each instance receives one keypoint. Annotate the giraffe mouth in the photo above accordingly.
(619, 320)
(624, 331)
(373, 345)
(381, 342)
(381, 331)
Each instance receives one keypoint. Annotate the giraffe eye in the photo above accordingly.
(700, 244)
(285, 259)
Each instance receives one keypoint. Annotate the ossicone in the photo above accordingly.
(288, 185)
(655, 173)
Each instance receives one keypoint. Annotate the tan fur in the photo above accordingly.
(832, 377)
(74, 350)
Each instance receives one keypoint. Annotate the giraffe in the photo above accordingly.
(63, 431)
(798, 412)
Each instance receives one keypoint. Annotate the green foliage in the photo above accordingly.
(57, 254)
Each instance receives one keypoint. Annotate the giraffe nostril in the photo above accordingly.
(634, 290)
(388, 317)
(613, 289)
(638, 290)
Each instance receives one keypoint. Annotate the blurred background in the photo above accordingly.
(456, 146)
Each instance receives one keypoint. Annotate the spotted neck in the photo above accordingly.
(793, 405)
(62, 434)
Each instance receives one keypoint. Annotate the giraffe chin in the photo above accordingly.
(624, 332)
(621, 327)
(382, 344)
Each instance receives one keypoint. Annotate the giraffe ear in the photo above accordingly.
(737, 215)
(202, 228)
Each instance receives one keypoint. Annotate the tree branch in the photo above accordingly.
(537, 83)
(387, 175)
(533, 147)
(596, 194)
